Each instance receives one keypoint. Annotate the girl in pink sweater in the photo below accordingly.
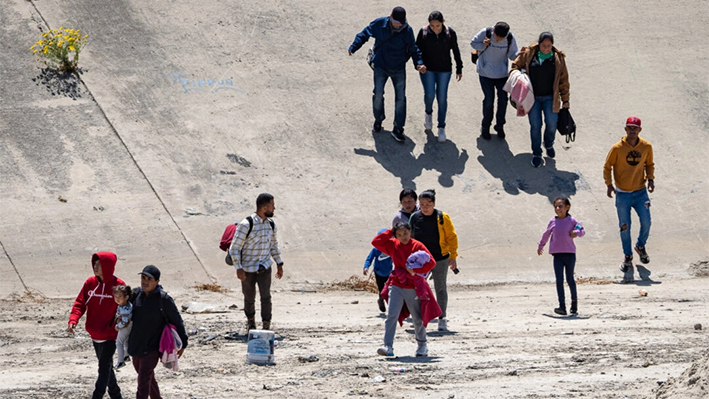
(562, 229)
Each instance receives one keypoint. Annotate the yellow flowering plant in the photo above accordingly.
(57, 47)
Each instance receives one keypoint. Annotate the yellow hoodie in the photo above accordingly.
(632, 166)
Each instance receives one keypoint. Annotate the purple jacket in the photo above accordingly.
(559, 230)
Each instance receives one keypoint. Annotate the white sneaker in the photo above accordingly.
(385, 351)
(422, 350)
(441, 134)
(442, 324)
(428, 123)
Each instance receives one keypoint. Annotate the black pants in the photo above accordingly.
(489, 85)
(565, 263)
(106, 376)
(248, 287)
(381, 280)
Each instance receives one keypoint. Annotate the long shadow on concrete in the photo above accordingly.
(443, 157)
(397, 158)
(518, 175)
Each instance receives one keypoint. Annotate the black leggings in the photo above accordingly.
(565, 262)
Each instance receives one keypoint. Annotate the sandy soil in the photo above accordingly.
(503, 343)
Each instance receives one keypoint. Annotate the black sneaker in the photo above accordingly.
(642, 253)
(537, 161)
(377, 126)
(382, 306)
(485, 132)
(574, 307)
(398, 135)
(550, 152)
(627, 264)
(560, 310)
(500, 132)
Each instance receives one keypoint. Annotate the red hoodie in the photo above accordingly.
(96, 299)
(399, 253)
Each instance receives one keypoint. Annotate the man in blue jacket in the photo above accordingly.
(394, 44)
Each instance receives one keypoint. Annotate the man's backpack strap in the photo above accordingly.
(488, 34)
(251, 226)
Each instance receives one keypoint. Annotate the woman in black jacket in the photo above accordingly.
(436, 41)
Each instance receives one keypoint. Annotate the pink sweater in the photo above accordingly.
(559, 230)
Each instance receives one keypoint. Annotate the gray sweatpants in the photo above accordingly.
(397, 297)
(440, 277)
(122, 342)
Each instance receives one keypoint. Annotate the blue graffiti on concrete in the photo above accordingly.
(188, 83)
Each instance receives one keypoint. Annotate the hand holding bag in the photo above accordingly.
(566, 125)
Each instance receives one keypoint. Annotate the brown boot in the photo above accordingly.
(266, 325)
(251, 324)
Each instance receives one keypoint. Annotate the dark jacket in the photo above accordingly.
(148, 321)
(436, 50)
(436, 232)
(393, 54)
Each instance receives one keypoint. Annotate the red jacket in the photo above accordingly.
(399, 253)
(96, 300)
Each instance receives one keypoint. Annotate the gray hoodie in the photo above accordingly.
(492, 62)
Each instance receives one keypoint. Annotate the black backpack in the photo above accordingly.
(565, 125)
(488, 34)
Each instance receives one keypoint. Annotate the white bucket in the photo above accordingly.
(260, 347)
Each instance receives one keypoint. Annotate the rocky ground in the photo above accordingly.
(504, 343)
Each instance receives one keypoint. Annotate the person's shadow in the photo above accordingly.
(644, 274)
(518, 175)
(397, 158)
(443, 157)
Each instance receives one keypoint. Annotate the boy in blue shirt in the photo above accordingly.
(382, 270)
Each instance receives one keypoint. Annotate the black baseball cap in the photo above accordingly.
(151, 271)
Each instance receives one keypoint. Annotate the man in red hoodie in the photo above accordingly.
(96, 300)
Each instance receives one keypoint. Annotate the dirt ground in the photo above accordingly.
(503, 343)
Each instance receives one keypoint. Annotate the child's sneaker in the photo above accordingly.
(422, 350)
(642, 253)
(382, 306)
(442, 324)
(627, 264)
(385, 351)
(560, 310)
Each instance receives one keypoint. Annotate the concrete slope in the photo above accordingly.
(208, 104)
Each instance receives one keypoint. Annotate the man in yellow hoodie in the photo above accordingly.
(631, 163)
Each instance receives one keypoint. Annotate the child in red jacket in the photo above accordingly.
(96, 300)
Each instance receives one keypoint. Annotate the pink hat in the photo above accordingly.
(633, 121)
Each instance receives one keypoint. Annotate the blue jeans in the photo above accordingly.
(435, 84)
(489, 85)
(565, 263)
(398, 79)
(545, 105)
(639, 201)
